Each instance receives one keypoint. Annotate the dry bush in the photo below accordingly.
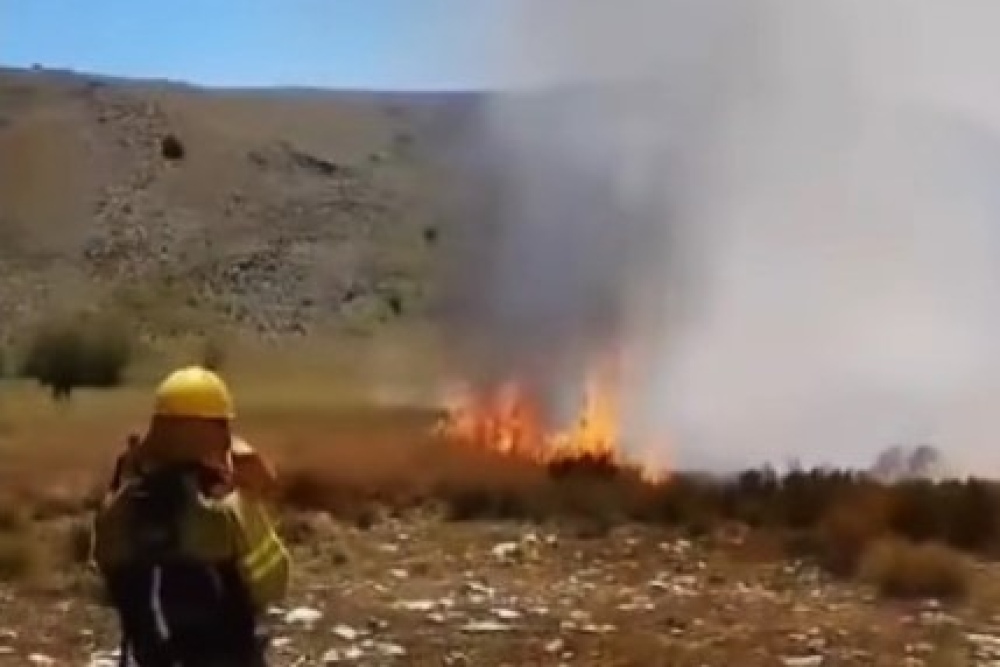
(79, 542)
(899, 568)
(14, 515)
(851, 524)
(20, 553)
(213, 354)
(171, 148)
(20, 557)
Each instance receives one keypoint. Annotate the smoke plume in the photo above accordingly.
(784, 213)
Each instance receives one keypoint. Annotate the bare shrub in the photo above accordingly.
(213, 354)
(853, 523)
(20, 556)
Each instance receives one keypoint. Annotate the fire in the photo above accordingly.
(509, 420)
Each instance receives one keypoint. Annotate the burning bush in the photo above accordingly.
(600, 465)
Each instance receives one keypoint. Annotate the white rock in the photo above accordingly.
(507, 614)
(416, 605)
(303, 616)
(983, 639)
(390, 649)
(478, 627)
(40, 659)
(346, 632)
(802, 661)
(555, 646)
(476, 588)
(281, 642)
(331, 656)
(6, 650)
(593, 629)
(505, 550)
(399, 573)
(353, 653)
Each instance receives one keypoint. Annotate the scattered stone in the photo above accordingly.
(505, 550)
(390, 650)
(346, 632)
(477, 627)
(416, 605)
(303, 616)
(802, 661)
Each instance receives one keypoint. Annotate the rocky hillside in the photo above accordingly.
(281, 210)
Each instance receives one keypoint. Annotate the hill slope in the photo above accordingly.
(288, 210)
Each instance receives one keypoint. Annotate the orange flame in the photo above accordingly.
(509, 420)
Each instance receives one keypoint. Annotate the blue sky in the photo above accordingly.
(383, 44)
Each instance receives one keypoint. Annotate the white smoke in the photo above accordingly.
(787, 210)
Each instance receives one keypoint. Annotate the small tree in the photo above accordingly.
(65, 355)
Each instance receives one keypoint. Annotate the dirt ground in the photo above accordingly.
(420, 591)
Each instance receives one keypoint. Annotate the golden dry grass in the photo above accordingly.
(903, 569)
(349, 428)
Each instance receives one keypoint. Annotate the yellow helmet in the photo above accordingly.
(194, 392)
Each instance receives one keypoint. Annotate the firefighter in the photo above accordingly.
(189, 558)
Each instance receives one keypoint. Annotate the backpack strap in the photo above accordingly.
(172, 607)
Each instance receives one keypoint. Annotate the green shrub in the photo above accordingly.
(67, 354)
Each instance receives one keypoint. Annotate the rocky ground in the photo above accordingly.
(420, 591)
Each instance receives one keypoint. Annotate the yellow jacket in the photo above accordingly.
(235, 527)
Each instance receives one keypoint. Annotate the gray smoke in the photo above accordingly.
(784, 213)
